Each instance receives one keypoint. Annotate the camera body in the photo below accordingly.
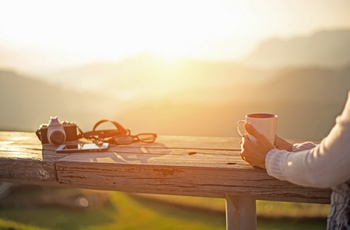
(57, 133)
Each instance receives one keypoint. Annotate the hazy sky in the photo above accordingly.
(88, 30)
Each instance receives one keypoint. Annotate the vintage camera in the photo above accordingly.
(57, 133)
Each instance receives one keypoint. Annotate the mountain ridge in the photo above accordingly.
(307, 101)
(180, 97)
(329, 48)
(26, 103)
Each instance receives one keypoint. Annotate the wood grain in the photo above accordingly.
(177, 165)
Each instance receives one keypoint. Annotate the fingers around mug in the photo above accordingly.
(243, 158)
(246, 142)
(252, 131)
(238, 124)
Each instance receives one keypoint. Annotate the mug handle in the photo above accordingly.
(238, 126)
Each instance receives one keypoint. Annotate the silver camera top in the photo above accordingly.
(55, 131)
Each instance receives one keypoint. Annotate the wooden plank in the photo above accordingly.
(26, 146)
(196, 166)
(178, 173)
(24, 160)
(171, 157)
(199, 142)
(27, 172)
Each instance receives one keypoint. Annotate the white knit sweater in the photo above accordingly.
(325, 165)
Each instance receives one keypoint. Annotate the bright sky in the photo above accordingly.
(85, 30)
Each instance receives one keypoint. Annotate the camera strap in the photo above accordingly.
(106, 134)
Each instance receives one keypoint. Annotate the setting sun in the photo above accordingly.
(70, 33)
(114, 28)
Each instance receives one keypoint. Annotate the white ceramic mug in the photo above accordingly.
(264, 123)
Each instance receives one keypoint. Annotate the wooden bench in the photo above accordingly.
(174, 165)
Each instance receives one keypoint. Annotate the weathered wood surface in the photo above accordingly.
(22, 159)
(178, 165)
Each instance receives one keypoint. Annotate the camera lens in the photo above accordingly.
(57, 137)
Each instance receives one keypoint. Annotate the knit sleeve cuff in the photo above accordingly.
(273, 162)
(303, 146)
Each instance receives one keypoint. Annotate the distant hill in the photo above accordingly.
(307, 101)
(149, 77)
(35, 60)
(324, 48)
(27, 103)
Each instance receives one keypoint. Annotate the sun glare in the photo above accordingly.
(99, 30)
(111, 29)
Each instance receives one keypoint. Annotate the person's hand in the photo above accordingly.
(282, 144)
(255, 152)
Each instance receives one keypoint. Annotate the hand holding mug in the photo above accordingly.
(255, 152)
(264, 123)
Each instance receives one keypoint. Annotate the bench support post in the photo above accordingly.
(240, 213)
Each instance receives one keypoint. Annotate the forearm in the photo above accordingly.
(303, 168)
(325, 165)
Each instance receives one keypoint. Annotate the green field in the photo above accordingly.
(47, 208)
